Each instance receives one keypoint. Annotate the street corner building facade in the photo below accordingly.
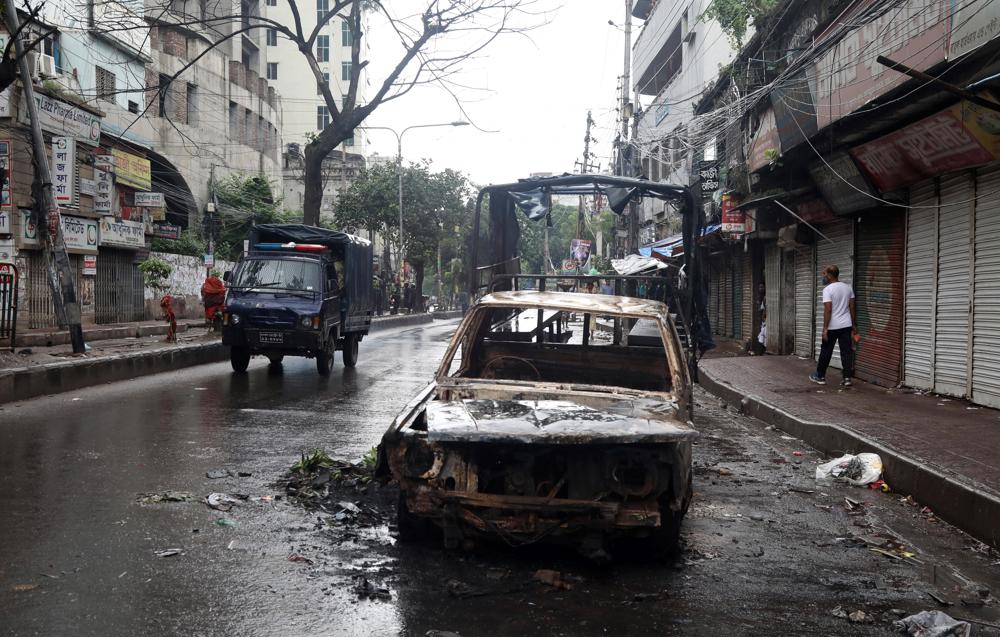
(132, 152)
(823, 143)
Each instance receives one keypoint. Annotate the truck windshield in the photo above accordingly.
(278, 274)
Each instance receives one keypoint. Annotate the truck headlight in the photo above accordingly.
(234, 319)
(306, 322)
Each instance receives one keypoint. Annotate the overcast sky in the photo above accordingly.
(537, 93)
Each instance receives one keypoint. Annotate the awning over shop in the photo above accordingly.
(674, 246)
(637, 264)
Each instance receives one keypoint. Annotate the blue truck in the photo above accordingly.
(299, 291)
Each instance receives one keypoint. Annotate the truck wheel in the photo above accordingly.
(324, 358)
(351, 350)
(239, 358)
(276, 358)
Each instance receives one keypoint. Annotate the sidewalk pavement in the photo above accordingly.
(945, 452)
(55, 336)
(49, 369)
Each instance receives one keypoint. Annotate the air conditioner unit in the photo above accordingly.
(46, 65)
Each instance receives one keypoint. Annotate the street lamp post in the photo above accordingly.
(399, 172)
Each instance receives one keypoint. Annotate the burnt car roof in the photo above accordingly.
(577, 302)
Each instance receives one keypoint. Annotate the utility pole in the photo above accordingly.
(623, 136)
(584, 169)
(60, 273)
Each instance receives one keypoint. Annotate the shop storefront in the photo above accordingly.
(878, 286)
(119, 286)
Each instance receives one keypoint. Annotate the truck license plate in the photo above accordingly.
(271, 337)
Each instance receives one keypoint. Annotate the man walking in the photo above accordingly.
(839, 326)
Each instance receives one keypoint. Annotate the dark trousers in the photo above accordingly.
(834, 337)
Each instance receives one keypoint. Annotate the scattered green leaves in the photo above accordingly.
(370, 459)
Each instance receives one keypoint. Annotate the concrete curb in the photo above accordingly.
(968, 505)
(22, 383)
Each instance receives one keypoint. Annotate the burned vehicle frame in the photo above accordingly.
(525, 435)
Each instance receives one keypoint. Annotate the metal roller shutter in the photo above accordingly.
(805, 276)
(118, 288)
(713, 299)
(921, 259)
(879, 289)
(747, 308)
(737, 313)
(727, 300)
(986, 308)
(772, 291)
(951, 334)
(840, 252)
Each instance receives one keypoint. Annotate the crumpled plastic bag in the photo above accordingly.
(858, 470)
(933, 623)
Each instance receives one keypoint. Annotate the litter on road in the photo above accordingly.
(858, 470)
(168, 552)
(165, 496)
(223, 501)
(933, 623)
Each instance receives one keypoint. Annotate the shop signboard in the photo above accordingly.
(7, 250)
(150, 200)
(915, 33)
(815, 211)
(209, 260)
(63, 170)
(5, 198)
(88, 186)
(708, 176)
(105, 191)
(121, 233)
(733, 221)
(167, 230)
(972, 25)
(959, 137)
(765, 146)
(29, 230)
(60, 118)
(842, 185)
(132, 170)
(5, 221)
(89, 265)
(79, 233)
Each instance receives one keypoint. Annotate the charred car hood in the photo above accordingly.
(555, 422)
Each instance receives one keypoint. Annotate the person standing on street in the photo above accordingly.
(839, 326)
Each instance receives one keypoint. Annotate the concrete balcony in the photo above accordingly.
(657, 55)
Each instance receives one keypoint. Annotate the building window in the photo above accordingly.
(272, 70)
(326, 80)
(272, 37)
(106, 89)
(322, 117)
(191, 112)
(349, 141)
(50, 46)
(323, 48)
(322, 8)
(346, 34)
(133, 107)
(163, 90)
(345, 71)
(272, 3)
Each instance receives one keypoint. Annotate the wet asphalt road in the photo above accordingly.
(78, 553)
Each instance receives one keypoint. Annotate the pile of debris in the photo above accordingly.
(316, 477)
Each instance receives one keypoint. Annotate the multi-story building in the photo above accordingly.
(134, 152)
(675, 58)
(304, 110)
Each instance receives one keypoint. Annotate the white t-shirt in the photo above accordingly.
(839, 294)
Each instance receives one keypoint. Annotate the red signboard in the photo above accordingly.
(815, 211)
(733, 221)
(938, 144)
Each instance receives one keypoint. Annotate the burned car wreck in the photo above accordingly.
(534, 428)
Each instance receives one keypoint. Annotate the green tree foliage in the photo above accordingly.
(735, 16)
(243, 202)
(191, 243)
(155, 273)
(436, 211)
(561, 234)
